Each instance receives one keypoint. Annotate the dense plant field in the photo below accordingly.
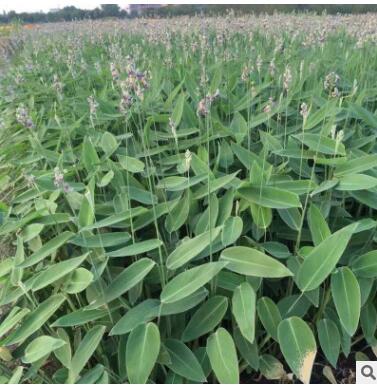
(189, 200)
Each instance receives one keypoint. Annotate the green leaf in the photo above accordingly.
(262, 216)
(109, 143)
(206, 318)
(35, 320)
(86, 214)
(64, 353)
(232, 230)
(15, 379)
(106, 179)
(85, 350)
(317, 225)
(356, 182)
(298, 346)
(136, 249)
(143, 347)
(366, 265)
(190, 248)
(248, 351)
(323, 259)
(346, 295)
(79, 318)
(243, 309)
(131, 164)
(183, 362)
(177, 113)
(270, 197)
(47, 249)
(269, 315)
(321, 144)
(92, 376)
(142, 313)
(178, 215)
(40, 347)
(101, 240)
(56, 271)
(249, 261)
(184, 304)
(215, 185)
(116, 218)
(329, 339)
(223, 356)
(79, 280)
(357, 165)
(271, 367)
(368, 321)
(12, 319)
(89, 156)
(131, 276)
(31, 231)
(291, 217)
(238, 127)
(189, 281)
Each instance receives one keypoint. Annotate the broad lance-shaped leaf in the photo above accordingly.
(136, 249)
(346, 295)
(323, 259)
(131, 276)
(215, 185)
(85, 350)
(116, 218)
(16, 377)
(141, 313)
(206, 318)
(357, 165)
(57, 271)
(251, 262)
(77, 281)
(270, 197)
(12, 319)
(47, 249)
(177, 113)
(143, 346)
(232, 230)
(131, 164)
(321, 144)
(189, 281)
(271, 367)
(101, 240)
(366, 265)
(64, 353)
(185, 304)
(368, 321)
(178, 215)
(96, 375)
(35, 320)
(40, 347)
(243, 309)
(262, 217)
(356, 182)
(329, 339)
(317, 225)
(189, 249)
(248, 351)
(183, 362)
(79, 317)
(222, 354)
(269, 315)
(297, 343)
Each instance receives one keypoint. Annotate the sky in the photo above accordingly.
(44, 5)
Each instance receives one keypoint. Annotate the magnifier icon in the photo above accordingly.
(367, 372)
